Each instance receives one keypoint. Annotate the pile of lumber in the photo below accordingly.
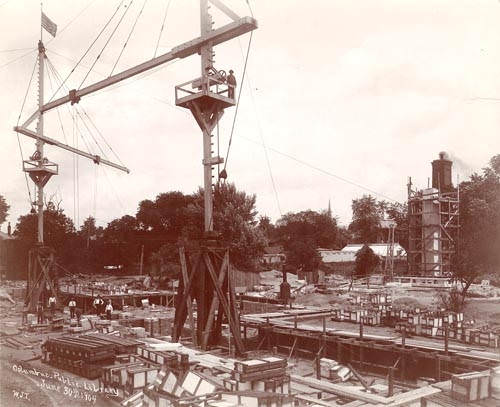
(266, 374)
(120, 345)
(82, 356)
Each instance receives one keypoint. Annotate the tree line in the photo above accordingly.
(172, 218)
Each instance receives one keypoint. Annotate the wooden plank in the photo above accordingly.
(182, 255)
(340, 390)
(222, 298)
(314, 400)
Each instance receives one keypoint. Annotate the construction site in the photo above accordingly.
(212, 334)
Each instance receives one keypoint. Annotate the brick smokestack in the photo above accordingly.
(441, 173)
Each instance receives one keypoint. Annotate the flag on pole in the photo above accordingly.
(49, 26)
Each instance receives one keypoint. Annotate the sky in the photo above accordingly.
(339, 99)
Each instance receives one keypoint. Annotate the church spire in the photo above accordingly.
(329, 211)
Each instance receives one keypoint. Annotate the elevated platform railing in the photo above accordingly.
(209, 86)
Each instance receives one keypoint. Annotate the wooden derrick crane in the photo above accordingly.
(205, 272)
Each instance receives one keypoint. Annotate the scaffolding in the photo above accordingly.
(434, 227)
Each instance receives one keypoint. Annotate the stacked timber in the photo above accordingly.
(266, 374)
(82, 356)
(120, 345)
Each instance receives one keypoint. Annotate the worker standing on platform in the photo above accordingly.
(231, 81)
(52, 305)
(109, 310)
(72, 306)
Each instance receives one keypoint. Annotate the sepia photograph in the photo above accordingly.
(262, 203)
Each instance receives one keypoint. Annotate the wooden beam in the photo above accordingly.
(226, 10)
(182, 255)
(236, 333)
(214, 304)
(97, 159)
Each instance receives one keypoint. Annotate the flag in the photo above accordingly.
(49, 25)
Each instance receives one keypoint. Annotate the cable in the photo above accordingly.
(107, 42)
(91, 121)
(18, 138)
(16, 49)
(322, 170)
(49, 71)
(249, 8)
(18, 58)
(261, 133)
(88, 49)
(128, 38)
(105, 141)
(238, 102)
(161, 30)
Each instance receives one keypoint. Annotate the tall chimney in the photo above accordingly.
(441, 173)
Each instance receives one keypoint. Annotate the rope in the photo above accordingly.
(162, 26)
(91, 121)
(128, 38)
(16, 49)
(261, 133)
(238, 102)
(49, 71)
(18, 138)
(18, 58)
(107, 42)
(102, 136)
(87, 51)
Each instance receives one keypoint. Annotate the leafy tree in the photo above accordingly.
(302, 255)
(365, 263)
(120, 230)
(4, 209)
(301, 234)
(57, 227)
(267, 228)
(366, 216)
(398, 212)
(234, 218)
(167, 214)
(478, 252)
(165, 261)
(320, 228)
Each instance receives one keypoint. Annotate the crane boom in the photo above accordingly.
(222, 34)
(97, 159)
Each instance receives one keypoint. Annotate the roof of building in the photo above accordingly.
(379, 249)
(336, 256)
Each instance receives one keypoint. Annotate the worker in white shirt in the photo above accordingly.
(72, 306)
(52, 305)
(109, 309)
(98, 304)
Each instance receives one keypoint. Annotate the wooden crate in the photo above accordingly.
(471, 386)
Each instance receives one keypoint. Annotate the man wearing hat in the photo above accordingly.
(231, 81)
